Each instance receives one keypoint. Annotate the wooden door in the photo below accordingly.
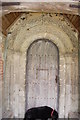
(41, 77)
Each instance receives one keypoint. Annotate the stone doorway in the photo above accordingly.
(42, 74)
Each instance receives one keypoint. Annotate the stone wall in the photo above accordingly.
(1, 75)
(1, 72)
(79, 73)
(27, 29)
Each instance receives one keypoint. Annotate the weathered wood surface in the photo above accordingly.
(42, 69)
(52, 7)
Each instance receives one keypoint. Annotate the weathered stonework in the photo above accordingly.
(27, 29)
(1, 72)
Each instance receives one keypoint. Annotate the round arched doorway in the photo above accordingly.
(42, 69)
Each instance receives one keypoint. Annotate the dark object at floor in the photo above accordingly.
(43, 113)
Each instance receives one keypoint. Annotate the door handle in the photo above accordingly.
(56, 79)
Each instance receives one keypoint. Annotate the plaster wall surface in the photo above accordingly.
(27, 29)
(1, 72)
(1, 63)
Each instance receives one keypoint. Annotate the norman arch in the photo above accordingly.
(23, 34)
